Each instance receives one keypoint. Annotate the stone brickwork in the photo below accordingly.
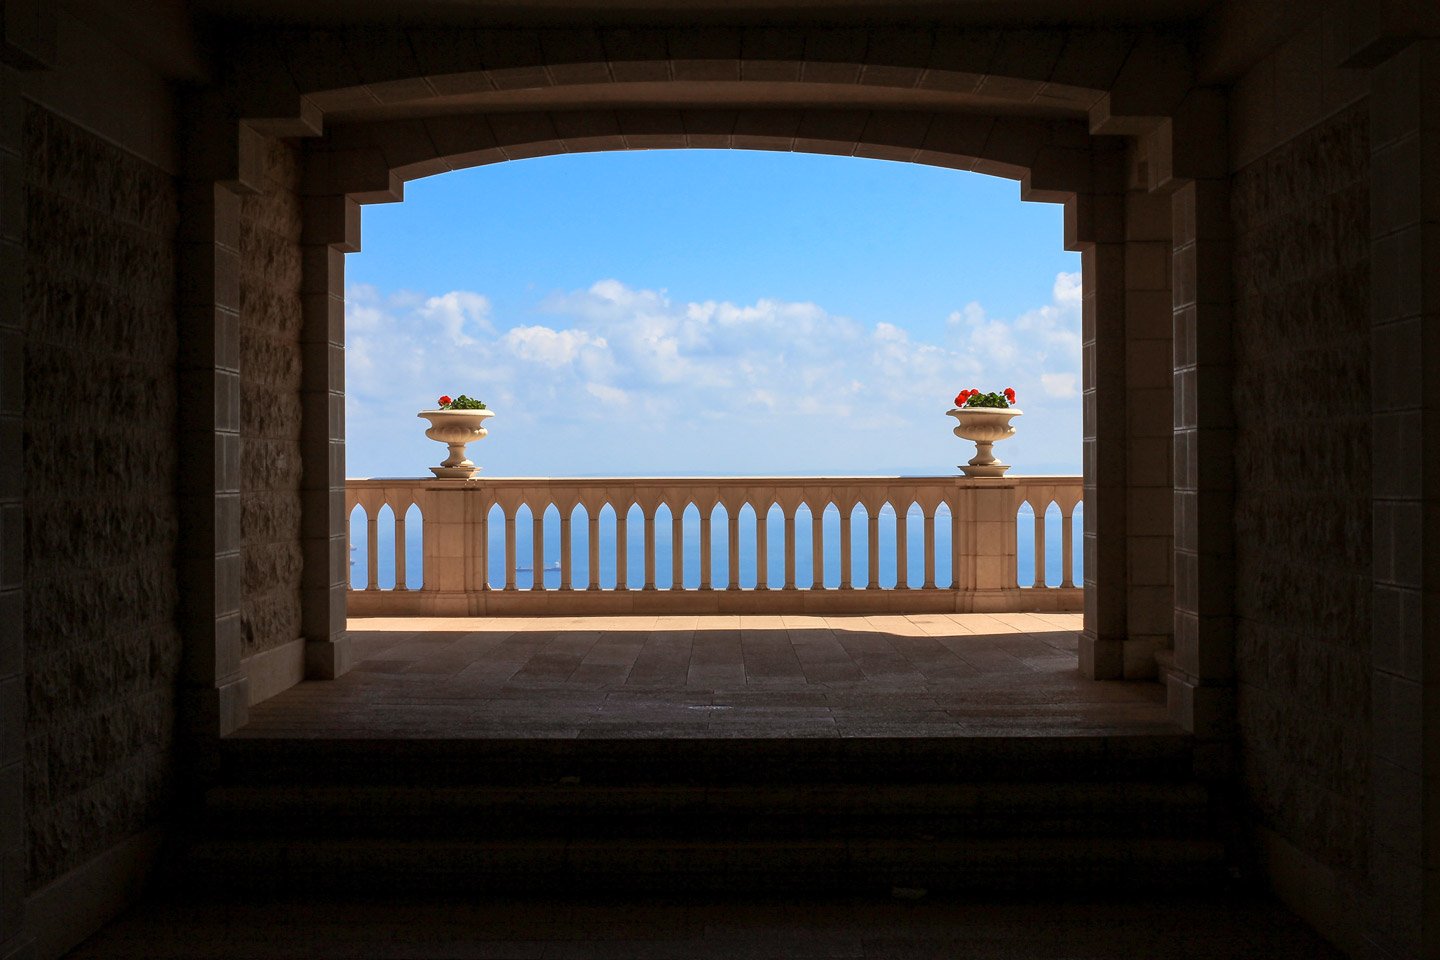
(102, 648)
(270, 366)
(1302, 487)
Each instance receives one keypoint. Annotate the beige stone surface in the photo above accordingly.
(1303, 549)
(101, 647)
(977, 516)
(702, 676)
(270, 377)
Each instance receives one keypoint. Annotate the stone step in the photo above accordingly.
(1070, 813)
(1129, 808)
(718, 761)
(857, 865)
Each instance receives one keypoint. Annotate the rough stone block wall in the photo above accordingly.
(270, 405)
(1302, 487)
(102, 649)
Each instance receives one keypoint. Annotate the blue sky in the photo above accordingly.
(711, 312)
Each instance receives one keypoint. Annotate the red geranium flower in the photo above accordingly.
(444, 401)
(1010, 394)
(962, 397)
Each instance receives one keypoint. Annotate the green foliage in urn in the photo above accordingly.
(461, 402)
(974, 398)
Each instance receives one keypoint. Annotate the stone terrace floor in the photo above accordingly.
(932, 675)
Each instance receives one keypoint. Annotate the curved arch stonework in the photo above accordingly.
(370, 161)
(1109, 122)
(372, 69)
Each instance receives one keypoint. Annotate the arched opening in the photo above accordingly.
(580, 547)
(915, 546)
(804, 547)
(359, 555)
(607, 535)
(664, 548)
(830, 532)
(750, 573)
(414, 546)
(720, 572)
(896, 548)
(634, 547)
(495, 547)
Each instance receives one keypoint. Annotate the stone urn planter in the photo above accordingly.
(456, 428)
(985, 426)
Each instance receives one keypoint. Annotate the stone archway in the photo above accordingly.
(1066, 113)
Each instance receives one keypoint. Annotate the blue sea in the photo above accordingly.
(775, 538)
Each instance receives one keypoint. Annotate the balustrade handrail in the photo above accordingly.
(457, 515)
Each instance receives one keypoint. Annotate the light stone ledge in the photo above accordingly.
(1316, 892)
(61, 915)
(274, 671)
(608, 602)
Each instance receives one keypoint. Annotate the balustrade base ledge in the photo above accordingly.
(560, 603)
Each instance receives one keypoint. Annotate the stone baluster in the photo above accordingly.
(902, 547)
(510, 511)
(706, 519)
(622, 544)
(537, 542)
(872, 547)
(372, 549)
(593, 544)
(1039, 544)
(817, 548)
(762, 546)
(648, 511)
(929, 513)
(398, 508)
(566, 515)
(677, 549)
(732, 512)
(1067, 548)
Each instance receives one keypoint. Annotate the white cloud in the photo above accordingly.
(553, 348)
(626, 380)
(458, 314)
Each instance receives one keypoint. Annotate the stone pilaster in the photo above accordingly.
(14, 941)
(1405, 492)
(332, 228)
(1148, 428)
(1102, 250)
(1201, 691)
(215, 697)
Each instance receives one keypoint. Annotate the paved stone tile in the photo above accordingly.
(770, 676)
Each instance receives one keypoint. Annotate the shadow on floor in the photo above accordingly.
(1219, 929)
(935, 675)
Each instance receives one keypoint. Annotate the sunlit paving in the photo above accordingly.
(934, 675)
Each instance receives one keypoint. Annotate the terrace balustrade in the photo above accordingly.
(458, 515)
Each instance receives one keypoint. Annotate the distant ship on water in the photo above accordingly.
(551, 568)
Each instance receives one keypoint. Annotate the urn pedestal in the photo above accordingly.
(456, 428)
(986, 426)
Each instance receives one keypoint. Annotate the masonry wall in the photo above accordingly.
(1302, 402)
(270, 467)
(102, 649)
